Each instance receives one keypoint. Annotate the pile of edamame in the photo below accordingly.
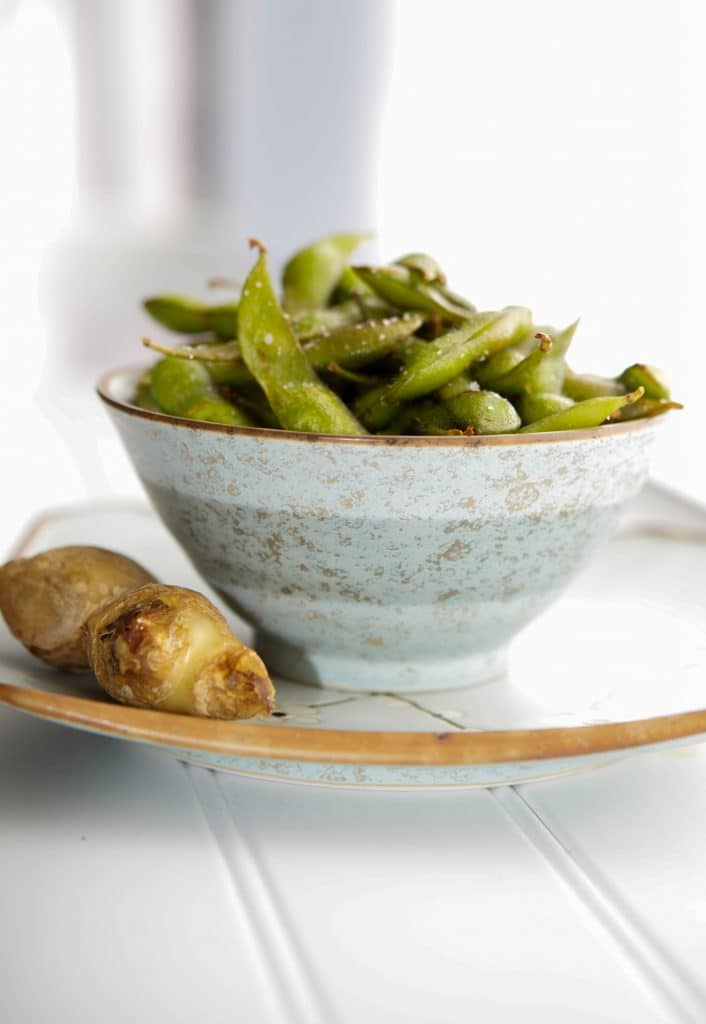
(387, 350)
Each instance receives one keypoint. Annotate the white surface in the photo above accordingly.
(308, 906)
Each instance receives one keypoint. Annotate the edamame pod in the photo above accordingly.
(345, 314)
(208, 352)
(648, 377)
(403, 289)
(424, 265)
(646, 408)
(581, 386)
(275, 358)
(429, 417)
(351, 286)
(223, 361)
(360, 344)
(539, 371)
(582, 415)
(484, 411)
(439, 361)
(428, 270)
(189, 316)
(443, 359)
(352, 375)
(534, 407)
(497, 365)
(143, 397)
(216, 409)
(183, 387)
(177, 384)
(311, 275)
(350, 347)
(561, 339)
(460, 384)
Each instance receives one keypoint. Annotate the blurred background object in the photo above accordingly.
(548, 154)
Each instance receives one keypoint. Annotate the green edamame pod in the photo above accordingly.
(275, 358)
(182, 387)
(177, 384)
(428, 270)
(235, 374)
(404, 289)
(483, 411)
(252, 400)
(458, 386)
(215, 409)
(648, 377)
(360, 344)
(537, 372)
(345, 314)
(372, 410)
(206, 352)
(311, 275)
(349, 346)
(222, 360)
(582, 415)
(645, 408)
(178, 313)
(410, 348)
(534, 407)
(498, 364)
(581, 386)
(424, 265)
(400, 423)
(428, 417)
(529, 367)
(143, 396)
(351, 286)
(561, 340)
(439, 361)
(443, 359)
(351, 375)
(189, 316)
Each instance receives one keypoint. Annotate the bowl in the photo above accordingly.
(382, 563)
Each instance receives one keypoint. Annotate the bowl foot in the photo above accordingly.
(340, 671)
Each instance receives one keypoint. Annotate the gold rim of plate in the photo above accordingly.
(295, 743)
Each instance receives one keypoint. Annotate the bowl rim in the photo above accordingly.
(107, 380)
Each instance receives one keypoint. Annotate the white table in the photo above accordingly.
(136, 888)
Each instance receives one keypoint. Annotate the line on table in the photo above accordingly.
(300, 1001)
(654, 963)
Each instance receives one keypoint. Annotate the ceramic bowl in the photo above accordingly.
(382, 563)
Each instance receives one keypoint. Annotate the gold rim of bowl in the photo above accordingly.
(105, 389)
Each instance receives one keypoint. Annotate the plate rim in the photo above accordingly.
(350, 746)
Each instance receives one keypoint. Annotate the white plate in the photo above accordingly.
(616, 667)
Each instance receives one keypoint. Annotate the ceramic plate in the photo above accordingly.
(616, 667)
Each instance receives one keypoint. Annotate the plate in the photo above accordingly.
(616, 667)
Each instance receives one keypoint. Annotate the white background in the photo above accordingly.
(549, 153)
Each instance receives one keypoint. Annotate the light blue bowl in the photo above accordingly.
(382, 563)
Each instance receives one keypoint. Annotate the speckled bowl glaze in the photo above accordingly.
(379, 563)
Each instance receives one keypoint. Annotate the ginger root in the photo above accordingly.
(45, 600)
(170, 648)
